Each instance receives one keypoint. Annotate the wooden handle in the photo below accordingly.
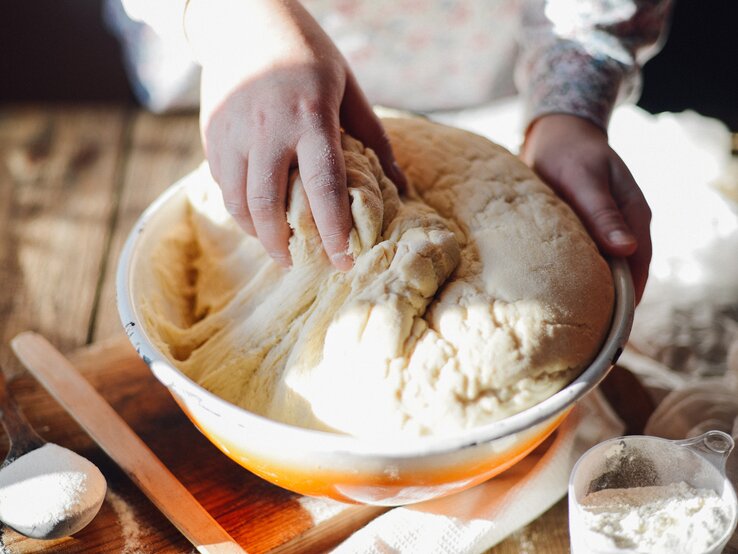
(118, 440)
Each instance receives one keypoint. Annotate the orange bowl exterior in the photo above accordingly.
(414, 482)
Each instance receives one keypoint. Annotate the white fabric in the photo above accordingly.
(477, 519)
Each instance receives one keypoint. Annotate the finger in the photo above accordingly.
(323, 174)
(231, 177)
(588, 192)
(360, 121)
(266, 196)
(637, 215)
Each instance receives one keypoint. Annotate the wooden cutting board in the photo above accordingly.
(260, 516)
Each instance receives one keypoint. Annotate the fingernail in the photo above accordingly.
(621, 237)
(342, 261)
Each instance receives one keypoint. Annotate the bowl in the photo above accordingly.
(342, 467)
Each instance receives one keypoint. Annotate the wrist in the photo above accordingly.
(551, 130)
(563, 124)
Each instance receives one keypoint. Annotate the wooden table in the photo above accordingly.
(73, 179)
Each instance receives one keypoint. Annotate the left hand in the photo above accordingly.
(573, 156)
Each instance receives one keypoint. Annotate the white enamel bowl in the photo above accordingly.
(337, 466)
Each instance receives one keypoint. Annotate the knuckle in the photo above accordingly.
(236, 207)
(261, 120)
(335, 239)
(265, 205)
(606, 218)
(316, 122)
(322, 185)
(633, 201)
(279, 255)
(316, 110)
(311, 106)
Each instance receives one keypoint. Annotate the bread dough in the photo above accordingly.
(477, 295)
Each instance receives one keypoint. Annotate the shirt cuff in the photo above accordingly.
(567, 80)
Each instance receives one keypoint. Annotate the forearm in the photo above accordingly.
(581, 63)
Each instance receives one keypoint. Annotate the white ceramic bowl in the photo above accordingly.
(342, 467)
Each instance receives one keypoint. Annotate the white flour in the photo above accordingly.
(46, 487)
(673, 519)
(130, 529)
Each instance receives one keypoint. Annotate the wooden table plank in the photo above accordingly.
(162, 149)
(58, 179)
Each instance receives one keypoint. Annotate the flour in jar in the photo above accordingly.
(675, 518)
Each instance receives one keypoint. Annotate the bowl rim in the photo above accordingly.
(181, 385)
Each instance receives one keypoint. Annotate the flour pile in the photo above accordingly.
(669, 519)
(475, 296)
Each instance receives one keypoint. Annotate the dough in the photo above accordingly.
(477, 295)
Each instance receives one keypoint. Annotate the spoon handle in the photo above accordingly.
(125, 447)
(23, 438)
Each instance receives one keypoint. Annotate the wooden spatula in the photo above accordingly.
(118, 440)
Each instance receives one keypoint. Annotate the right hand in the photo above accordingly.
(573, 156)
(275, 94)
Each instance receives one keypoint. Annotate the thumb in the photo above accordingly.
(360, 121)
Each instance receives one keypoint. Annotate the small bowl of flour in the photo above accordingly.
(650, 495)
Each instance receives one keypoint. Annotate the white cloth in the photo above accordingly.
(477, 519)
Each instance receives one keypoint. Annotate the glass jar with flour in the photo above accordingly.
(642, 494)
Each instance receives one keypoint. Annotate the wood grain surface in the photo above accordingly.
(73, 179)
(59, 172)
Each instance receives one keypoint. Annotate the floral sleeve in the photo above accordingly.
(581, 56)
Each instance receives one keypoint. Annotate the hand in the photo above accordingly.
(275, 94)
(572, 155)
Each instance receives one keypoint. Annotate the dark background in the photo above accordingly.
(52, 50)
